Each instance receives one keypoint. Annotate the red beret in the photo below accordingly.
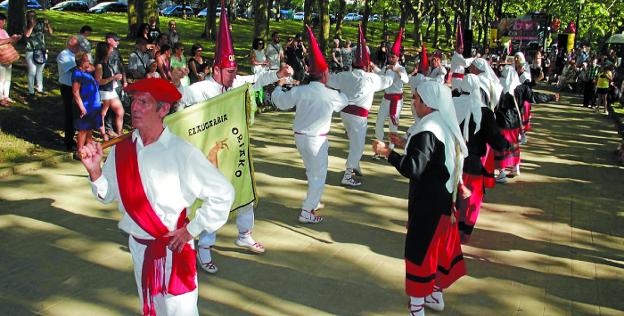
(161, 89)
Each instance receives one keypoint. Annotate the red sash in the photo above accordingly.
(135, 202)
(457, 75)
(355, 110)
(394, 102)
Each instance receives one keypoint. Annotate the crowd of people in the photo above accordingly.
(470, 118)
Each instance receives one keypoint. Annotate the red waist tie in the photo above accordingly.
(458, 75)
(355, 110)
(394, 104)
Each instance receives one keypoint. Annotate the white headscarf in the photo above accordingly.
(489, 81)
(469, 105)
(526, 75)
(443, 124)
(415, 81)
(509, 80)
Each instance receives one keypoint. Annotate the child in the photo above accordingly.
(152, 70)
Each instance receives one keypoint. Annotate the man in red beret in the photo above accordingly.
(223, 78)
(155, 175)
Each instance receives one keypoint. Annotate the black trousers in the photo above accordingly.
(68, 103)
(589, 94)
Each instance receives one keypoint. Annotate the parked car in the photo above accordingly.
(204, 12)
(298, 16)
(75, 6)
(352, 16)
(30, 5)
(176, 10)
(374, 18)
(107, 7)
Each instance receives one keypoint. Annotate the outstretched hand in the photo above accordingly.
(178, 238)
(380, 148)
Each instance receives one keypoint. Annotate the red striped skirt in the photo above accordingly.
(526, 117)
(469, 208)
(443, 263)
(511, 156)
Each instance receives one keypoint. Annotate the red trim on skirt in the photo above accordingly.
(487, 161)
(469, 208)
(509, 157)
(443, 263)
(526, 117)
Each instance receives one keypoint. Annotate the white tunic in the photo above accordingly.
(360, 86)
(399, 79)
(458, 63)
(438, 74)
(315, 104)
(203, 90)
(174, 174)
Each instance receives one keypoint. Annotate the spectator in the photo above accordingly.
(153, 31)
(347, 55)
(5, 70)
(152, 70)
(337, 64)
(382, 55)
(139, 60)
(36, 54)
(294, 57)
(538, 60)
(567, 79)
(173, 35)
(66, 63)
(87, 99)
(108, 79)
(257, 57)
(178, 63)
(83, 39)
(116, 63)
(274, 52)
(143, 32)
(164, 62)
(198, 66)
(605, 77)
(589, 89)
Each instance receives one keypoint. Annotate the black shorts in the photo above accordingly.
(602, 90)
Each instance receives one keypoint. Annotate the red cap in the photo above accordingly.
(160, 89)
(396, 48)
(361, 55)
(317, 62)
(423, 67)
(224, 50)
(459, 35)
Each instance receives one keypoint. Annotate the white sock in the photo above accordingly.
(417, 300)
(246, 237)
(204, 254)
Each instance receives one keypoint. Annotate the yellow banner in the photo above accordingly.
(222, 120)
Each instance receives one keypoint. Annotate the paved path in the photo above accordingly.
(547, 243)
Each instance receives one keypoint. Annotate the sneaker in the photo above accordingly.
(350, 180)
(358, 172)
(416, 309)
(435, 300)
(306, 217)
(501, 178)
(250, 244)
(209, 267)
(523, 139)
(319, 206)
(515, 172)
(378, 157)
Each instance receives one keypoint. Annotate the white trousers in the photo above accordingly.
(35, 71)
(384, 113)
(356, 131)
(313, 150)
(244, 222)
(5, 80)
(165, 305)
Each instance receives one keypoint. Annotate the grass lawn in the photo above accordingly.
(32, 129)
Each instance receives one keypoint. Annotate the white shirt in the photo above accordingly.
(203, 90)
(66, 62)
(438, 74)
(458, 63)
(272, 52)
(360, 86)
(174, 174)
(315, 104)
(399, 79)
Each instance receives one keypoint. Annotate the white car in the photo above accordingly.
(298, 16)
(204, 12)
(352, 17)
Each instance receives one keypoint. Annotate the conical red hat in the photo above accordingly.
(396, 48)
(423, 67)
(224, 50)
(317, 62)
(361, 57)
(459, 35)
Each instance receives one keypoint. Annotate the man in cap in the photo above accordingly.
(139, 60)
(392, 102)
(156, 176)
(315, 105)
(432, 160)
(223, 78)
(360, 86)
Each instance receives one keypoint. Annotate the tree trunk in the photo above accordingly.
(16, 16)
(429, 23)
(367, 11)
(448, 26)
(210, 27)
(405, 11)
(307, 12)
(261, 10)
(278, 16)
(133, 22)
(486, 24)
(325, 24)
(436, 32)
(184, 3)
(339, 17)
(417, 11)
